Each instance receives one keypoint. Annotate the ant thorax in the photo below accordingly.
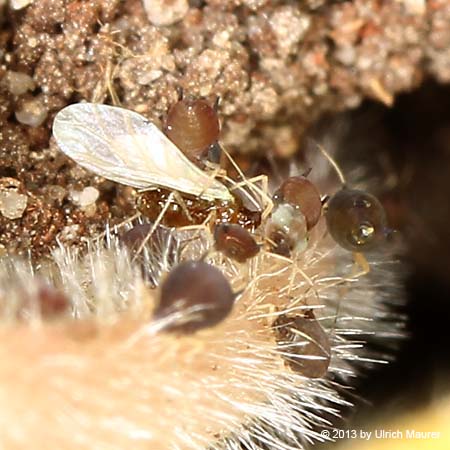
(184, 210)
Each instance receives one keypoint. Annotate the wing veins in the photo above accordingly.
(122, 146)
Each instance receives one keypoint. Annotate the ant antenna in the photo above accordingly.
(333, 164)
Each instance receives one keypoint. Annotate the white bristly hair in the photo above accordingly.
(104, 376)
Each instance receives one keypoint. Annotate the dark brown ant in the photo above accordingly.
(303, 195)
(193, 125)
(355, 219)
(306, 345)
(194, 295)
(298, 208)
(235, 242)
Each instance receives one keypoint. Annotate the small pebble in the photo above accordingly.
(56, 193)
(69, 234)
(165, 12)
(18, 83)
(33, 113)
(86, 197)
(289, 26)
(19, 4)
(12, 204)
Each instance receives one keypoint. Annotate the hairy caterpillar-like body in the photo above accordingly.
(112, 355)
(108, 377)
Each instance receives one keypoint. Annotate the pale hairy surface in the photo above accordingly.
(110, 379)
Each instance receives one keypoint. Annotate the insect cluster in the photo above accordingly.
(123, 146)
(225, 258)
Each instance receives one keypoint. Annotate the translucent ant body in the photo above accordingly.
(190, 210)
(123, 146)
(356, 220)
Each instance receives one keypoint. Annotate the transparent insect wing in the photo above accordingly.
(123, 146)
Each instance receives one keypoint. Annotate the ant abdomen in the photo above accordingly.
(193, 126)
(356, 220)
(197, 295)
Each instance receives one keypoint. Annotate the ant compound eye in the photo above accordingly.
(286, 230)
(303, 343)
(196, 295)
(235, 242)
(303, 195)
(356, 220)
(192, 125)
